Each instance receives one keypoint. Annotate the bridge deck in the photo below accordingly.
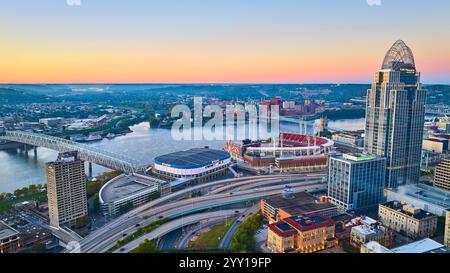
(87, 153)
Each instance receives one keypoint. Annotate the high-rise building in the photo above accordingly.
(356, 180)
(442, 175)
(66, 188)
(395, 114)
(447, 229)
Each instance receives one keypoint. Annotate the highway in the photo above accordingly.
(185, 207)
(176, 224)
(249, 185)
(127, 217)
(226, 241)
(186, 237)
(113, 231)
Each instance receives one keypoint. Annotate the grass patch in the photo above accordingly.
(144, 230)
(211, 239)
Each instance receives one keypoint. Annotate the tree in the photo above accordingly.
(96, 202)
(82, 222)
(146, 247)
(243, 240)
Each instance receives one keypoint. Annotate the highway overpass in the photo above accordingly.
(176, 224)
(105, 240)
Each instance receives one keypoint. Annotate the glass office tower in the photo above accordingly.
(395, 113)
(356, 180)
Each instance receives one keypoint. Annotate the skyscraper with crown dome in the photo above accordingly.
(395, 114)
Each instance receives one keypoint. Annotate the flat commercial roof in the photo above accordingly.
(302, 203)
(309, 222)
(425, 193)
(422, 246)
(193, 158)
(421, 214)
(6, 231)
(124, 186)
(363, 229)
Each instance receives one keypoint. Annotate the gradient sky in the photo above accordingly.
(187, 41)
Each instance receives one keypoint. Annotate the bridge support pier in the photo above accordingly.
(35, 151)
(90, 169)
(25, 149)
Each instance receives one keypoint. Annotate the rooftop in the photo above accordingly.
(425, 193)
(422, 246)
(417, 214)
(6, 231)
(356, 157)
(294, 224)
(437, 139)
(366, 230)
(302, 203)
(377, 247)
(124, 186)
(305, 223)
(359, 157)
(194, 158)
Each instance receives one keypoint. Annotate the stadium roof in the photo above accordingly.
(194, 158)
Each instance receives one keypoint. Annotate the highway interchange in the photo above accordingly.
(221, 193)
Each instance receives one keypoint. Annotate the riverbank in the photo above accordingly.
(144, 143)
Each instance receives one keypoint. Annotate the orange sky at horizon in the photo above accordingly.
(216, 42)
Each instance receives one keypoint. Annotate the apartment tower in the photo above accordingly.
(66, 187)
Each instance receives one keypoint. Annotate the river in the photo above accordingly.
(144, 144)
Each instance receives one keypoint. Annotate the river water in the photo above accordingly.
(18, 169)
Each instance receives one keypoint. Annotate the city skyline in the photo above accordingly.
(224, 126)
(216, 42)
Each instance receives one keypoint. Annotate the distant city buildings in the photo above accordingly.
(356, 180)
(442, 175)
(408, 220)
(352, 138)
(52, 122)
(436, 145)
(66, 189)
(395, 113)
(301, 234)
